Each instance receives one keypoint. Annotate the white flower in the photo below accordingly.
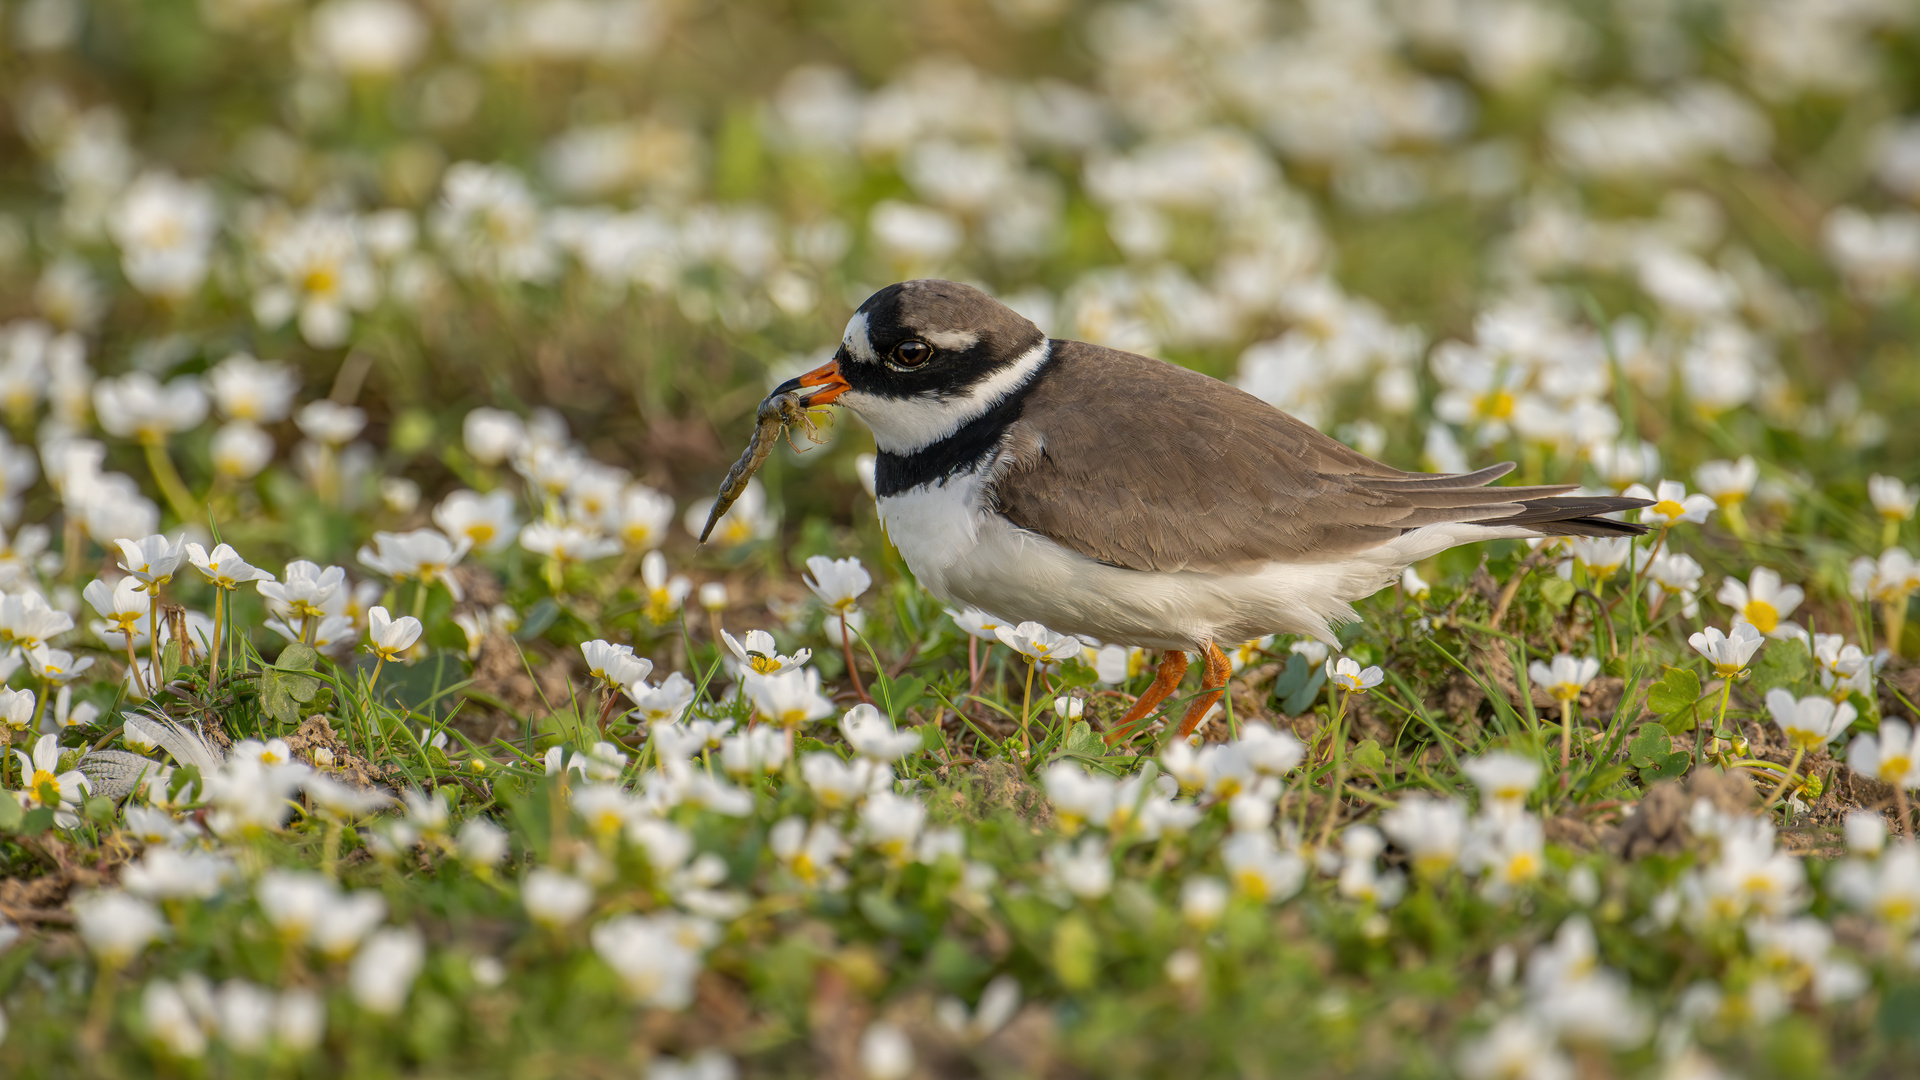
(383, 971)
(1203, 900)
(758, 653)
(481, 843)
(1811, 722)
(978, 623)
(1866, 831)
(653, 962)
(1032, 640)
(788, 699)
(747, 519)
(240, 450)
(1084, 869)
(871, 735)
(389, 637)
(567, 543)
(340, 924)
(170, 1021)
(1894, 500)
(1414, 585)
(662, 704)
(330, 422)
(369, 37)
(27, 620)
(115, 926)
(152, 559)
(1888, 580)
(1504, 779)
(492, 436)
(755, 751)
(136, 406)
(640, 518)
(885, 1052)
(1727, 482)
(1516, 1048)
(555, 900)
(1347, 674)
(1887, 756)
(223, 566)
(809, 852)
(1671, 503)
(1764, 602)
(424, 555)
(1728, 653)
(1566, 677)
(839, 784)
(1600, 556)
(260, 392)
(307, 591)
(165, 228)
(1259, 870)
(55, 665)
(171, 873)
(891, 823)
(837, 582)
(1433, 831)
(614, 664)
(124, 604)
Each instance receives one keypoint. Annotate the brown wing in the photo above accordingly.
(1146, 465)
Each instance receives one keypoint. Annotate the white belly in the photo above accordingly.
(965, 553)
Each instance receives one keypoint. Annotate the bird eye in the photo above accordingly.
(911, 353)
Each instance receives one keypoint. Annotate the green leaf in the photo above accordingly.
(37, 821)
(1650, 746)
(297, 657)
(1081, 742)
(903, 694)
(1292, 678)
(539, 618)
(1557, 591)
(1674, 699)
(171, 660)
(100, 811)
(10, 812)
(1781, 663)
(1302, 699)
(1369, 756)
(1671, 767)
(282, 692)
(931, 738)
(1602, 778)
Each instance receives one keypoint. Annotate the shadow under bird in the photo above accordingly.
(1132, 501)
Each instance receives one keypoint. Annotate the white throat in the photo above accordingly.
(904, 425)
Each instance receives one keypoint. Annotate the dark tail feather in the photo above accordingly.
(1576, 516)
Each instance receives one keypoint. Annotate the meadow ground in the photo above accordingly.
(366, 366)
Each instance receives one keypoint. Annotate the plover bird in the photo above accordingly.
(1132, 501)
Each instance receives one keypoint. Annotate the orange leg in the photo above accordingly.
(1213, 684)
(1173, 667)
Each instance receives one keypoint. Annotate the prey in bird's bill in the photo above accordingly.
(782, 411)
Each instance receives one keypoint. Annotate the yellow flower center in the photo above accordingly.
(1495, 405)
(1523, 867)
(764, 665)
(480, 532)
(1764, 616)
(1804, 738)
(320, 280)
(1667, 508)
(1251, 883)
(45, 789)
(1895, 766)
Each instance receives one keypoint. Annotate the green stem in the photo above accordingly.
(1798, 753)
(168, 477)
(133, 664)
(1894, 613)
(1699, 743)
(1339, 769)
(1026, 707)
(420, 600)
(153, 632)
(213, 647)
(1566, 734)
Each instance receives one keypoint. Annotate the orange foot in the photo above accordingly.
(1173, 666)
(1213, 685)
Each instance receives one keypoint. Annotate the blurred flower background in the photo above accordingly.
(366, 365)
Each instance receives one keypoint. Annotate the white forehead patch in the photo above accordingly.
(952, 340)
(859, 345)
